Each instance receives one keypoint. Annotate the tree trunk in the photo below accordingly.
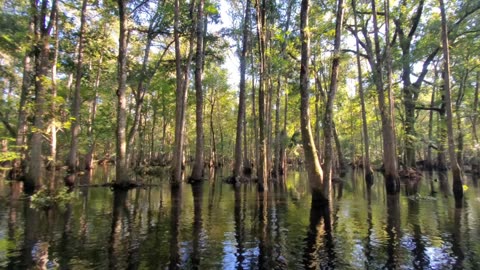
(34, 178)
(328, 120)
(475, 109)
(442, 131)
(93, 114)
(53, 128)
(458, 103)
(197, 171)
(75, 129)
(457, 176)
(429, 161)
(27, 79)
(241, 102)
(121, 143)
(183, 76)
(392, 182)
(261, 31)
(314, 171)
(368, 172)
(213, 154)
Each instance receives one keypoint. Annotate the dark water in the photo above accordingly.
(212, 226)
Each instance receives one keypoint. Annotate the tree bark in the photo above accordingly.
(183, 76)
(75, 128)
(367, 168)
(93, 114)
(197, 171)
(22, 126)
(43, 27)
(314, 171)
(262, 172)
(328, 128)
(241, 102)
(457, 176)
(121, 140)
(392, 182)
(475, 109)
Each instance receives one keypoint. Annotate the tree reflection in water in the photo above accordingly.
(319, 245)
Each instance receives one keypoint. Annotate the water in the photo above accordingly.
(212, 226)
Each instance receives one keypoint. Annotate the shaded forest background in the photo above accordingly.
(329, 84)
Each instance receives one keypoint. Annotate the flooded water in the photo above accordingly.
(214, 226)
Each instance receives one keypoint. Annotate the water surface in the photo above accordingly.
(214, 226)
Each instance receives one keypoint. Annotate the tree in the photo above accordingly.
(121, 142)
(43, 26)
(457, 176)
(241, 100)
(312, 164)
(75, 129)
(328, 128)
(197, 171)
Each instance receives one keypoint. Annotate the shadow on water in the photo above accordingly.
(197, 192)
(393, 231)
(175, 212)
(319, 244)
(239, 228)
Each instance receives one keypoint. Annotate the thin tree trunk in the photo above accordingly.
(93, 114)
(213, 154)
(18, 169)
(278, 135)
(458, 103)
(121, 143)
(75, 129)
(183, 76)
(429, 165)
(241, 102)
(367, 168)
(328, 128)
(197, 171)
(254, 116)
(475, 109)
(314, 170)
(457, 176)
(261, 31)
(53, 127)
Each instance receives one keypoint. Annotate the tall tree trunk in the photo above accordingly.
(254, 116)
(429, 161)
(368, 172)
(197, 171)
(315, 174)
(457, 176)
(177, 170)
(121, 144)
(53, 128)
(241, 102)
(183, 76)
(278, 135)
(262, 172)
(328, 120)
(93, 114)
(392, 182)
(458, 103)
(75, 129)
(442, 137)
(18, 169)
(213, 154)
(43, 27)
(475, 109)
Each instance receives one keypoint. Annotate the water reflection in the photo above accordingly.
(319, 247)
(212, 225)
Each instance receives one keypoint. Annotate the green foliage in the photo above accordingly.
(45, 199)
